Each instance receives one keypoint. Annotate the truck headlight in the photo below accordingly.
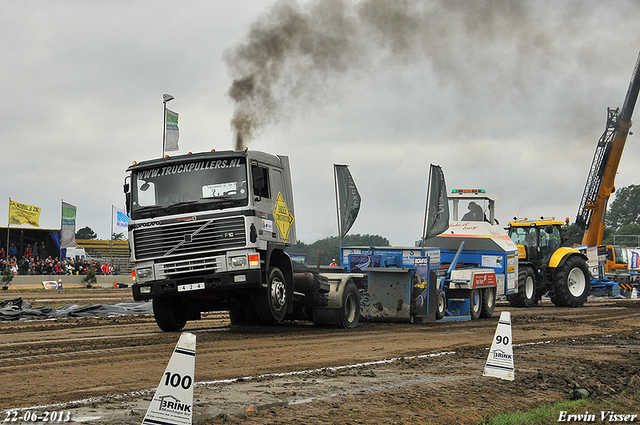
(145, 273)
(238, 261)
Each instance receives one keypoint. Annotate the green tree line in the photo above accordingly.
(325, 250)
(622, 220)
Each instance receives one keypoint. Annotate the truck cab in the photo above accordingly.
(208, 231)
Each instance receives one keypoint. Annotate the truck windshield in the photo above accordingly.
(188, 187)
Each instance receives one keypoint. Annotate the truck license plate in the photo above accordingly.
(191, 287)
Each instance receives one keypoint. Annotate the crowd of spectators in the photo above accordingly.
(35, 261)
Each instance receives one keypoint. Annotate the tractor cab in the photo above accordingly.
(536, 240)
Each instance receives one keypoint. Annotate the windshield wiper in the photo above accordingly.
(215, 198)
(183, 203)
(148, 211)
(148, 207)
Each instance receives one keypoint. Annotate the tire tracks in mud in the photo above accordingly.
(46, 363)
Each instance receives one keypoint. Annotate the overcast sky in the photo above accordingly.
(506, 96)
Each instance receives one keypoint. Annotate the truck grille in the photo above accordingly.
(189, 238)
(197, 265)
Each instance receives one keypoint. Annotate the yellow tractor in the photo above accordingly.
(545, 265)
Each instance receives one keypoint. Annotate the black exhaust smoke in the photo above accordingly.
(495, 50)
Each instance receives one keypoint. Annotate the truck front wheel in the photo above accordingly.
(168, 315)
(272, 301)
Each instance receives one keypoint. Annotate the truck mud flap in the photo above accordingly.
(326, 316)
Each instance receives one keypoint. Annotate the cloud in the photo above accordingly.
(511, 96)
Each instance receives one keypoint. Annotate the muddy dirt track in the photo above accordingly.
(104, 370)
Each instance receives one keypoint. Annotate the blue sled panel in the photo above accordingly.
(388, 295)
(458, 309)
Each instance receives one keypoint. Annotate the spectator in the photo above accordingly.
(13, 250)
(28, 252)
(48, 267)
(42, 251)
(3, 254)
(38, 267)
(105, 268)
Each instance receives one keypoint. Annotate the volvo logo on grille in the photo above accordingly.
(147, 224)
(187, 238)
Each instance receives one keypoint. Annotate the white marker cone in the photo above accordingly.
(500, 360)
(172, 403)
(634, 293)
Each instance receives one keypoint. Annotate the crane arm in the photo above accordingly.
(601, 178)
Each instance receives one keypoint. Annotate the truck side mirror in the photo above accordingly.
(127, 195)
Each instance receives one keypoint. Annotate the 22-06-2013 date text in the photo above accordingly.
(28, 416)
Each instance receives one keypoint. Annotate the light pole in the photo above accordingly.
(165, 98)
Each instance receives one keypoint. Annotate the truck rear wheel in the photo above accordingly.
(526, 295)
(350, 310)
(272, 301)
(442, 304)
(168, 315)
(488, 302)
(571, 283)
(475, 303)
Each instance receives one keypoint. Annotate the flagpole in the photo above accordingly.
(165, 98)
(6, 253)
(335, 186)
(61, 217)
(111, 239)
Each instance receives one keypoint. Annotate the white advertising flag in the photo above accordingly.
(172, 133)
(120, 221)
(68, 225)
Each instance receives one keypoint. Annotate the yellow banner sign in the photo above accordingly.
(23, 213)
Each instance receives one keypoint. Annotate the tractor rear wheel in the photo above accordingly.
(571, 283)
(525, 297)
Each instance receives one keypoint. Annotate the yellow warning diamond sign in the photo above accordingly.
(283, 217)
